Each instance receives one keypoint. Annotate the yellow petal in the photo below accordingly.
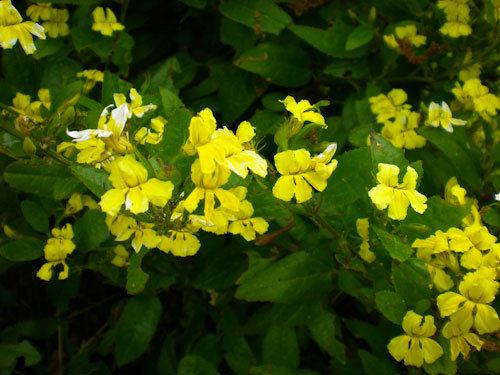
(136, 201)
(158, 192)
(112, 201)
(284, 188)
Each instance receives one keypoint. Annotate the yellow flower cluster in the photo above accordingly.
(406, 32)
(13, 29)
(55, 20)
(476, 97)
(398, 119)
(397, 196)
(57, 248)
(457, 18)
(110, 139)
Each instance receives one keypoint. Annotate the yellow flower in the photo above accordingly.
(396, 196)
(181, 243)
(13, 29)
(303, 111)
(461, 339)
(401, 132)
(105, 23)
(407, 32)
(299, 172)
(154, 135)
(123, 227)
(388, 106)
(222, 147)
(39, 11)
(246, 225)
(23, 105)
(56, 25)
(77, 202)
(207, 188)
(457, 16)
(131, 186)
(92, 76)
(477, 291)
(57, 248)
(475, 96)
(362, 227)
(121, 256)
(455, 29)
(135, 107)
(440, 115)
(416, 347)
(454, 193)
(469, 70)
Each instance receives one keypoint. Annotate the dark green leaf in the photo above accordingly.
(96, 180)
(35, 215)
(280, 347)
(411, 280)
(391, 305)
(22, 250)
(360, 36)
(90, 230)
(396, 248)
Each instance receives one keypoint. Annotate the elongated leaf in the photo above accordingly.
(280, 347)
(394, 246)
(391, 305)
(136, 327)
(96, 180)
(360, 36)
(283, 65)
(22, 250)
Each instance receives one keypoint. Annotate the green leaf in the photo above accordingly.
(352, 178)
(283, 65)
(382, 151)
(331, 41)
(22, 250)
(280, 347)
(122, 56)
(36, 178)
(374, 365)
(113, 84)
(322, 327)
(176, 134)
(170, 101)
(457, 154)
(391, 305)
(10, 352)
(261, 15)
(136, 277)
(236, 35)
(294, 278)
(360, 36)
(396, 248)
(35, 215)
(90, 230)
(195, 365)
(66, 96)
(411, 281)
(136, 327)
(96, 180)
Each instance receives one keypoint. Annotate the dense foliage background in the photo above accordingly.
(298, 299)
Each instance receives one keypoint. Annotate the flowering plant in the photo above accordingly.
(255, 198)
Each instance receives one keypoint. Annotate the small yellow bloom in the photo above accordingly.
(121, 256)
(154, 135)
(476, 97)
(57, 248)
(362, 227)
(401, 131)
(13, 29)
(56, 25)
(390, 193)
(457, 18)
(77, 202)
(454, 193)
(416, 347)
(407, 32)
(303, 111)
(23, 105)
(477, 291)
(92, 76)
(105, 23)
(300, 173)
(246, 225)
(135, 107)
(461, 339)
(181, 243)
(124, 227)
(387, 107)
(131, 186)
(39, 11)
(207, 188)
(440, 115)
